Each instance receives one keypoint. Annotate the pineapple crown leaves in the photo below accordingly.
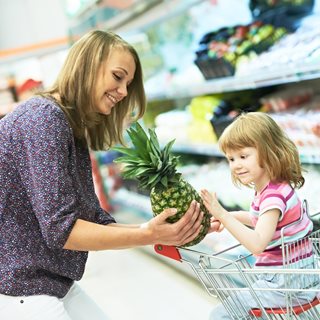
(146, 162)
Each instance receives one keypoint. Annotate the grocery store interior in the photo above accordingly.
(204, 62)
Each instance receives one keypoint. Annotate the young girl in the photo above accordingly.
(261, 156)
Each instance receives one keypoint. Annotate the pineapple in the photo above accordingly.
(155, 170)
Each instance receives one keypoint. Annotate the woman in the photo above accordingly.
(49, 214)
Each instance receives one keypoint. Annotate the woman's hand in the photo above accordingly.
(87, 236)
(184, 230)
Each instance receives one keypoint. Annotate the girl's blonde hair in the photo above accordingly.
(278, 155)
(76, 84)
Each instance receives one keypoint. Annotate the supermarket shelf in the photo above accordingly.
(146, 13)
(309, 159)
(137, 204)
(212, 150)
(262, 78)
(33, 51)
(200, 149)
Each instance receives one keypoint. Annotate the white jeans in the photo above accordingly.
(76, 305)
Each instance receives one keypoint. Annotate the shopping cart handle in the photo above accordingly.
(168, 251)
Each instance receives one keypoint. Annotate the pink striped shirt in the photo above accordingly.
(283, 197)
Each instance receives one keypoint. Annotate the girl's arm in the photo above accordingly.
(255, 240)
(87, 236)
(243, 217)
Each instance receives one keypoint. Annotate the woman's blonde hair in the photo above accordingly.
(278, 155)
(76, 84)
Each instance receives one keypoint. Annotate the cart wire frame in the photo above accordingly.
(228, 276)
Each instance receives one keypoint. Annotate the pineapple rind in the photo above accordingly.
(179, 196)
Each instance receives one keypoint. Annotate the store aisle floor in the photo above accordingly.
(132, 284)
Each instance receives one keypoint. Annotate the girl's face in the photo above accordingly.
(114, 77)
(244, 165)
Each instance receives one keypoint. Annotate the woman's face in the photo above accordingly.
(114, 77)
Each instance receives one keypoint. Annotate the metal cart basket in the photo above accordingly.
(231, 278)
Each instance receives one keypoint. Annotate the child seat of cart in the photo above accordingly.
(297, 310)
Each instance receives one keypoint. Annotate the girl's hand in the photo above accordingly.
(176, 234)
(215, 226)
(212, 204)
(316, 130)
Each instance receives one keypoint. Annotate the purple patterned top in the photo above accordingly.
(46, 185)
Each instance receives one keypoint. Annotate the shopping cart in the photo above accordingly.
(233, 280)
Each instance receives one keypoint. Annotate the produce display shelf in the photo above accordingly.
(212, 150)
(283, 74)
